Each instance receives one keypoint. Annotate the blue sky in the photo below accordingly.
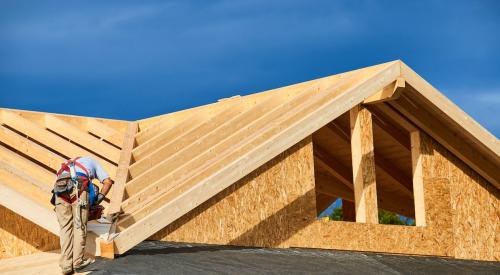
(135, 59)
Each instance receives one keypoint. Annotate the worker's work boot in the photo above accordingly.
(68, 271)
(83, 264)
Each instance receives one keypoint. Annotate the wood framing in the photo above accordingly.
(390, 92)
(122, 174)
(377, 138)
(363, 165)
(418, 180)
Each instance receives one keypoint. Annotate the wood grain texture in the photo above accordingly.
(363, 165)
(259, 209)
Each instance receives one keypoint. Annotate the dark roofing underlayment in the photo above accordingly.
(154, 257)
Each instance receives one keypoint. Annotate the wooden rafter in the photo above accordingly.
(122, 174)
(450, 139)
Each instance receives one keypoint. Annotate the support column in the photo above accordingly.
(418, 181)
(363, 165)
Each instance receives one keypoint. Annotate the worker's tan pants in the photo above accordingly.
(72, 239)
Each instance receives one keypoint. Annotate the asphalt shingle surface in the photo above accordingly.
(154, 257)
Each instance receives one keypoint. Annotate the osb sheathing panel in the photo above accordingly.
(275, 207)
(434, 239)
(264, 208)
(19, 236)
(476, 214)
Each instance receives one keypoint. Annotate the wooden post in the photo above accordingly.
(348, 211)
(122, 171)
(363, 165)
(418, 181)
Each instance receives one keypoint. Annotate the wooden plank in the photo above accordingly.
(27, 208)
(171, 121)
(165, 143)
(30, 148)
(246, 126)
(363, 165)
(51, 140)
(450, 139)
(484, 140)
(341, 99)
(29, 168)
(25, 184)
(104, 131)
(418, 180)
(122, 174)
(184, 139)
(390, 92)
(241, 133)
(78, 136)
(240, 130)
(186, 153)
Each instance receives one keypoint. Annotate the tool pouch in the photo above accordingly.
(63, 185)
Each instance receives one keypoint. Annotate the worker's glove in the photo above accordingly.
(100, 198)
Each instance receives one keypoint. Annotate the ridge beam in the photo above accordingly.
(390, 92)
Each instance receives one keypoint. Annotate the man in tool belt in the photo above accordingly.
(72, 202)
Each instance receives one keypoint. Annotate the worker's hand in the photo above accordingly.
(100, 198)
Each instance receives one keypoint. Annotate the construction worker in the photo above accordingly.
(74, 194)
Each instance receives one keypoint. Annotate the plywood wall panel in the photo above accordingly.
(19, 236)
(476, 216)
(263, 209)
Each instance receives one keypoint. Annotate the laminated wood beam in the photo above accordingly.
(78, 136)
(27, 208)
(390, 92)
(30, 148)
(122, 174)
(300, 123)
(418, 181)
(363, 165)
(450, 139)
(50, 139)
(104, 131)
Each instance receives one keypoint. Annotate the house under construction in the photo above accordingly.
(257, 170)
